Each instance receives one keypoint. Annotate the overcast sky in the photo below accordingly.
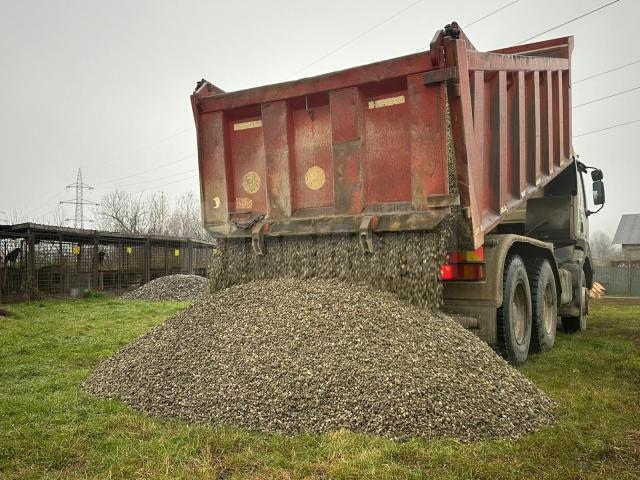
(105, 85)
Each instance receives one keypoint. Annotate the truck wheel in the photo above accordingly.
(514, 316)
(544, 302)
(579, 323)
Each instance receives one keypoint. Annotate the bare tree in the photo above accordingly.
(601, 246)
(185, 220)
(18, 215)
(57, 217)
(158, 214)
(120, 212)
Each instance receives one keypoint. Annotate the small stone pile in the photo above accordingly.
(171, 287)
(315, 355)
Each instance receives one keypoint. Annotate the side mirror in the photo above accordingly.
(598, 192)
(596, 174)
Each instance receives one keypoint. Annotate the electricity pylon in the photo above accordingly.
(79, 202)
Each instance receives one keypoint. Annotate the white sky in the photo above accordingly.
(105, 85)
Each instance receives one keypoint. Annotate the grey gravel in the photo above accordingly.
(171, 287)
(313, 355)
(406, 264)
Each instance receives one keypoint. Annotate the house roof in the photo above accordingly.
(628, 230)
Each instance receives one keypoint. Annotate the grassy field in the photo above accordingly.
(49, 428)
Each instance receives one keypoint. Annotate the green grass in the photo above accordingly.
(49, 428)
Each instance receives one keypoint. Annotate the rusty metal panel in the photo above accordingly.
(386, 148)
(215, 171)
(427, 140)
(511, 123)
(247, 160)
(346, 132)
(313, 153)
(277, 158)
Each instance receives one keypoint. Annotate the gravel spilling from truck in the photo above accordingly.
(315, 355)
(406, 264)
(171, 287)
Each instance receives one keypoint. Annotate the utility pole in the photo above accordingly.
(79, 202)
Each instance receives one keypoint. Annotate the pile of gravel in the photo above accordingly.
(293, 355)
(171, 287)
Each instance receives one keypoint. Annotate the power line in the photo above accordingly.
(478, 20)
(40, 206)
(595, 75)
(608, 96)
(153, 180)
(490, 14)
(357, 37)
(569, 21)
(611, 127)
(156, 187)
(162, 165)
(162, 140)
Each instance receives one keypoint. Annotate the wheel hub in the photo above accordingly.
(549, 311)
(519, 314)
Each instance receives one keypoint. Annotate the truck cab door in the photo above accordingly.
(582, 223)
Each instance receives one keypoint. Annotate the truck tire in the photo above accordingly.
(544, 303)
(514, 316)
(578, 323)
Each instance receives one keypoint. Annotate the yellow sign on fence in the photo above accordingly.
(129, 250)
(76, 249)
(176, 252)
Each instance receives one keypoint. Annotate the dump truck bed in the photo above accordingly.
(390, 146)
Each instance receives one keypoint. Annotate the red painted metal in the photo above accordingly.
(325, 153)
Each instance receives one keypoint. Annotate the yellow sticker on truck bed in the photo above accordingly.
(386, 102)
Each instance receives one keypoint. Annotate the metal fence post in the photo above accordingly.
(96, 265)
(30, 262)
(120, 263)
(190, 243)
(62, 266)
(166, 258)
(147, 261)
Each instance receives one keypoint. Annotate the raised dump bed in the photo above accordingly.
(366, 149)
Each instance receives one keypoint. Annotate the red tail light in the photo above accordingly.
(464, 265)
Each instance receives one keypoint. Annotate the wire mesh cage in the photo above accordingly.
(37, 260)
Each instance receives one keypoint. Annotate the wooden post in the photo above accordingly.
(190, 243)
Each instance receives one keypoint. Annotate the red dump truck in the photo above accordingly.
(403, 144)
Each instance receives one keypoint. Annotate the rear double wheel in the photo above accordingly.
(514, 316)
(544, 302)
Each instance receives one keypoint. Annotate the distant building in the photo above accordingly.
(628, 235)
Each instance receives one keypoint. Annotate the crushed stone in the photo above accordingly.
(314, 355)
(404, 263)
(171, 287)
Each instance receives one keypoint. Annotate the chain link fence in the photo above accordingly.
(620, 281)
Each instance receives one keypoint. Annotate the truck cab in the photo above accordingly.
(536, 268)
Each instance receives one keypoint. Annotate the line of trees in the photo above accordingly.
(602, 247)
(120, 211)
